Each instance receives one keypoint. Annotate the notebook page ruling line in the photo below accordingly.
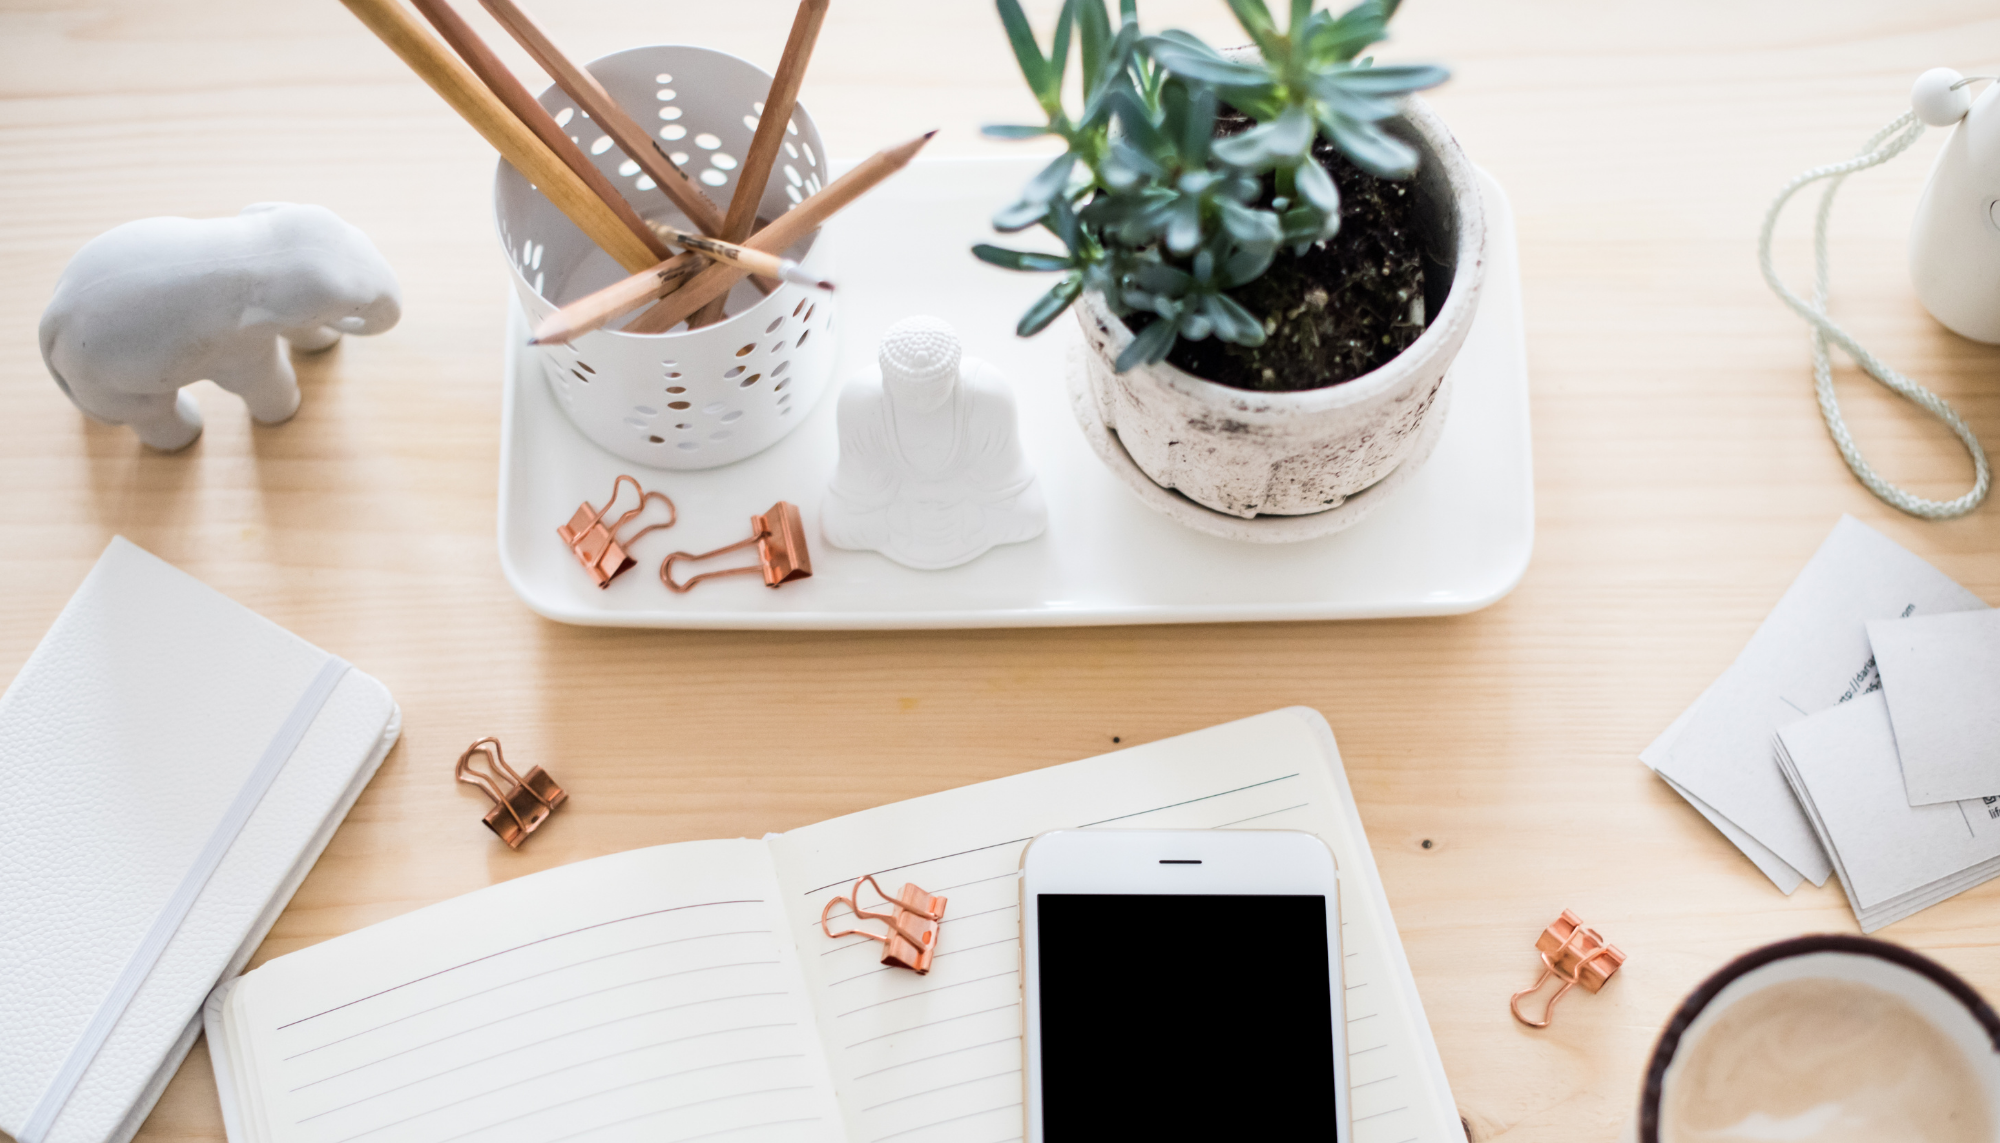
(939, 1057)
(652, 992)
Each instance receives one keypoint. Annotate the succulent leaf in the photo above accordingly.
(1266, 145)
(1392, 79)
(1155, 213)
(1255, 16)
(1243, 328)
(1018, 216)
(1026, 51)
(1185, 56)
(1020, 259)
(1059, 53)
(1012, 131)
(1344, 38)
(1316, 187)
(1372, 149)
(1049, 305)
(1150, 346)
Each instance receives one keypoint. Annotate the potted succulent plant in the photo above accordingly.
(1274, 253)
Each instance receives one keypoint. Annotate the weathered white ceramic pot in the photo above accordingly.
(1250, 453)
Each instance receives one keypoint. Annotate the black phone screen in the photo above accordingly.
(1185, 1017)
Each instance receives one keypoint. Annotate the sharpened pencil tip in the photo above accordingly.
(930, 132)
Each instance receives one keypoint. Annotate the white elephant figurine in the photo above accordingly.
(153, 305)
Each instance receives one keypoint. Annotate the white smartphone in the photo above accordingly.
(1182, 985)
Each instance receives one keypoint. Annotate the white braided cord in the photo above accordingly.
(1882, 146)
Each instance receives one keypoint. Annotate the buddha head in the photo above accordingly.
(919, 359)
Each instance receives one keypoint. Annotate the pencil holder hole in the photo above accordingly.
(697, 95)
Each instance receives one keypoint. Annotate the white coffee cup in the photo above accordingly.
(1826, 1038)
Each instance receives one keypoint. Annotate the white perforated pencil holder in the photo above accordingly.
(684, 399)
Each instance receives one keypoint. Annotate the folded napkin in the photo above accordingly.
(172, 765)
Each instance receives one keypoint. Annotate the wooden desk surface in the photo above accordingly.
(1684, 478)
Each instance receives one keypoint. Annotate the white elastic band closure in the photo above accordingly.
(276, 753)
(1884, 145)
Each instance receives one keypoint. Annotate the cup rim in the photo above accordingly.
(814, 256)
(1698, 1000)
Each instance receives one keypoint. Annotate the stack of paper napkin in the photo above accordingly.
(1858, 732)
(172, 766)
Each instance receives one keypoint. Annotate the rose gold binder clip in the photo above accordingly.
(1573, 954)
(596, 545)
(913, 924)
(780, 536)
(520, 805)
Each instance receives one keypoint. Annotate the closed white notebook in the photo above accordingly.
(127, 744)
(685, 992)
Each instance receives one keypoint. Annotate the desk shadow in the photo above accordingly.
(137, 491)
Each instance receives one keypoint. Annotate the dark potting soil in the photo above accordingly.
(1335, 312)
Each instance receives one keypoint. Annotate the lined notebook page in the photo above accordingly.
(938, 1057)
(651, 994)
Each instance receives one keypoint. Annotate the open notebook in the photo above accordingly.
(685, 992)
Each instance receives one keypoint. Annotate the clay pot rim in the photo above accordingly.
(1698, 1000)
(1445, 330)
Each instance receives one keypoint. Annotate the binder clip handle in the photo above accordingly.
(520, 803)
(912, 918)
(597, 545)
(780, 537)
(1574, 955)
(667, 566)
(673, 513)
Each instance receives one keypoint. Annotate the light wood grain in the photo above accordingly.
(1683, 479)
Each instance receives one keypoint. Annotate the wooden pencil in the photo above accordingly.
(594, 101)
(592, 312)
(433, 62)
(791, 226)
(588, 313)
(779, 103)
(758, 262)
(502, 82)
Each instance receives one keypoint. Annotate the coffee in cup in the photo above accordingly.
(1827, 1040)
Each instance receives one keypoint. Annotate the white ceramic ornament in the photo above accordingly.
(148, 307)
(931, 472)
(1955, 243)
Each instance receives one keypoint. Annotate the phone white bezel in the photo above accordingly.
(1155, 862)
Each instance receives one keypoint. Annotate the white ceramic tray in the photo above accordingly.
(1455, 537)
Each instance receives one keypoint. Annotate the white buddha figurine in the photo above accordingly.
(931, 472)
